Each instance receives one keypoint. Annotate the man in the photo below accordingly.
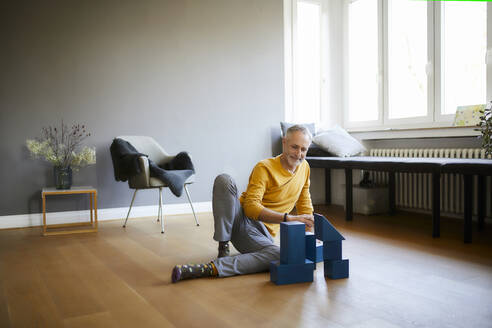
(275, 186)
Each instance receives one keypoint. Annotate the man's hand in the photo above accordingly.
(307, 219)
(270, 216)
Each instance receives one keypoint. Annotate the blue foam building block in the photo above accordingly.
(332, 250)
(314, 248)
(292, 243)
(336, 269)
(310, 246)
(319, 253)
(324, 230)
(283, 274)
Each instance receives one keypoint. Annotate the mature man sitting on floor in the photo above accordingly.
(275, 186)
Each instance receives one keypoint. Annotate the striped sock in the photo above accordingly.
(191, 271)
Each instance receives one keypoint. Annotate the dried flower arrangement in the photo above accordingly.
(60, 146)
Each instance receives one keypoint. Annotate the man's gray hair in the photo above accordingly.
(300, 128)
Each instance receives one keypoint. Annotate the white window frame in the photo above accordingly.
(438, 73)
(433, 118)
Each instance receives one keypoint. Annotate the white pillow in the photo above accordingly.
(338, 142)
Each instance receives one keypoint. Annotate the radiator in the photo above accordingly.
(414, 190)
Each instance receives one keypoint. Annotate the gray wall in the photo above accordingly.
(204, 76)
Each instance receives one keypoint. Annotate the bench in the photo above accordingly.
(435, 166)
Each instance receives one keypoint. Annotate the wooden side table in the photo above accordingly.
(72, 191)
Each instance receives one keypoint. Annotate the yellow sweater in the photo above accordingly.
(273, 187)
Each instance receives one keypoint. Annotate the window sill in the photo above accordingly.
(414, 133)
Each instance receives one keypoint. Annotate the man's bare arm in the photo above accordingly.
(269, 216)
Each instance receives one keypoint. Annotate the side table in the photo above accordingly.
(72, 191)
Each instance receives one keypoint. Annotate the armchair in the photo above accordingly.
(143, 180)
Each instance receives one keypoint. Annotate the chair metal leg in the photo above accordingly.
(131, 204)
(160, 211)
(191, 204)
(159, 208)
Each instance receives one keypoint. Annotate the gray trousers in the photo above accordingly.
(250, 237)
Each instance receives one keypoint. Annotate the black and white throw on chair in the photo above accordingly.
(146, 165)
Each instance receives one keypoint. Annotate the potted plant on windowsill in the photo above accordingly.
(61, 147)
(485, 127)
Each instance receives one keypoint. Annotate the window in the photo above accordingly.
(407, 59)
(413, 62)
(464, 49)
(363, 62)
(307, 65)
(305, 60)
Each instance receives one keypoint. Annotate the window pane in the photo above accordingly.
(465, 42)
(307, 84)
(407, 58)
(363, 60)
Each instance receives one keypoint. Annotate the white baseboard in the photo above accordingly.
(36, 219)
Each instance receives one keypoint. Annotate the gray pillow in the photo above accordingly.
(284, 126)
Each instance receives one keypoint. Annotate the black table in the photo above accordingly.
(434, 166)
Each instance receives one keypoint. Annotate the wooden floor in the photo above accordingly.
(399, 277)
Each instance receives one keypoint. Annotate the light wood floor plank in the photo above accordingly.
(4, 310)
(95, 320)
(126, 307)
(29, 300)
(70, 294)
